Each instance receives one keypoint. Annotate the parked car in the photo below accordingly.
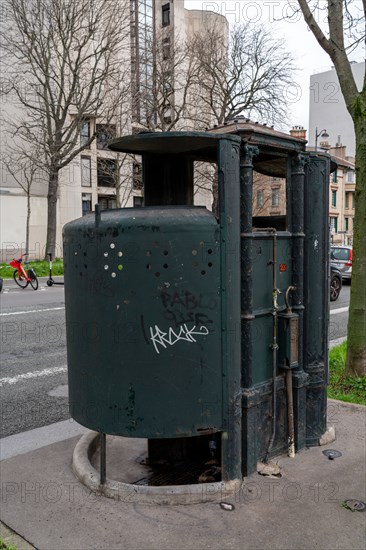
(341, 257)
(335, 282)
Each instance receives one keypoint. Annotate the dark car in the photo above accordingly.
(335, 282)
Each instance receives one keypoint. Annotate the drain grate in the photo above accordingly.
(186, 473)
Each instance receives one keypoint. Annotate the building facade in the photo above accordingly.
(158, 28)
(327, 109)
(269, 193)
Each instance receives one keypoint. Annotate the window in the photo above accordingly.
(85, 133)
(334, 199)
(275, 197)
(346, 201)
(259, 199)
(166, 48)
(85, 164)
(138, 202)
(353, 200)
(335, 176)
(346, 223)
(350, 176)
(106, 203)
(167, 113)
(86, 201)
(104, 134)
(334, 224)
(106, 172)
(165, 14)
(137, 175)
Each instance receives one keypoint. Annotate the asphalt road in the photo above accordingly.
(33, 377)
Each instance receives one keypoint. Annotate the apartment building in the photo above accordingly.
(342, 196)
(328, 109)
(98, 176)
(269, 193)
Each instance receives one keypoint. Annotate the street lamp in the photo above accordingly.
(323, 134)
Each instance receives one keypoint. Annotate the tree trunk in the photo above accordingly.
(356, 350)
(27, 223)
(51, 213)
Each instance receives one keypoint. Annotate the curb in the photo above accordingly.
(10, 537)
(126, 492)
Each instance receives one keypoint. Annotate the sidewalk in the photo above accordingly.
(44, 503)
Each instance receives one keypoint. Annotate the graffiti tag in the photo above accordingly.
(170, 338)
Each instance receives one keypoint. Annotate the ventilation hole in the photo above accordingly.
(85, 266)
(113, 245)
(114, 275)
(120, 254)
(194, 252)
(165, 266)
(81, 273)
(209, 251)
(157, 274)
(209, 264)
(120, 267)
(165, 252)
(203, 272)
(85, 254)
(148, 266)
(106, 267)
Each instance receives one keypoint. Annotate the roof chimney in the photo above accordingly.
(298, 132)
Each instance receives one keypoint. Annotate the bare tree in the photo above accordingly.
(25, 172)
(247, 76)
(62, 60)
(163, 105)
(345, 31)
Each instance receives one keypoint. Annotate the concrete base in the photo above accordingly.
(125, 468)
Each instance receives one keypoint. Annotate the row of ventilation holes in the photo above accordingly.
(165, 266)
(148, 266)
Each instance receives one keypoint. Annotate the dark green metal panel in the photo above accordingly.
(316, 294)
(262, 252)
(229, 204)
(143, 312)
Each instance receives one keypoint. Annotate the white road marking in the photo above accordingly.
(35, 374)
(31, 311)
(339, 310)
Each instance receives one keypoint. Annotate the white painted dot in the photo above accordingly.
(113, 275)
(76, 253)
(106, 267)
(113, 245)
(120, 254)
(105, 254)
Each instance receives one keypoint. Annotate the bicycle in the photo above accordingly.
(24, 277)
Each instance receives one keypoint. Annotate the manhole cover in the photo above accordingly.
(332, 453)
(355, 505)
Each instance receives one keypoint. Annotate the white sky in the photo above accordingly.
(308, 55)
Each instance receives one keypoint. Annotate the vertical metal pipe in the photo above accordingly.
(246, 214)
(274, 347)
(290, 415)
(229, 207)
(102, 441)
(296, 192)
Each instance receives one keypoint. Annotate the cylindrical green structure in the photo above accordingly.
(181, 326)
